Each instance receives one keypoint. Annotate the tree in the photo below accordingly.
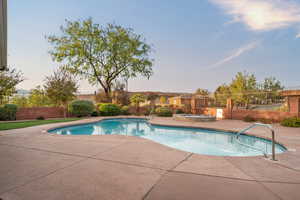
(243, 87)
(101, 54)
(137, 99)
(38, 97)
(203, 92)
(163, 100)
(61, 88)
(101, 97)
(221, 94)
(270, 88)
(152, 98)
(119, 95)
(8, 81)
(20, 101)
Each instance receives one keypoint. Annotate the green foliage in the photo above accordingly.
(20, 101)
(81, 108)
(61, 87)
(109, 109)
(179, 111)
(270, 90)
(136, 100)
(119, 95)
(242, 87)
(265, 121)
(221, 94)
(163, 100)
(163, 112)
(125, 110)
(8, 112)
(291, 122)
(40, 118)
(24, 124)
(8, 82)
(38, 98)
(101, 54)
(95, 114)
(203, 92)
(248, 119)
(2, 114)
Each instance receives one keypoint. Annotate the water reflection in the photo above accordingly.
(187, 139)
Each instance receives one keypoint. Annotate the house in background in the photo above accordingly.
(293, 100)
(87, 97)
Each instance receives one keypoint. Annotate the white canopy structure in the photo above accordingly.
(3, 34)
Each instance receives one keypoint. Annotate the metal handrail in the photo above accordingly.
(253, 126)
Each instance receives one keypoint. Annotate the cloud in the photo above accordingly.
(236, 53)
(298, 36)
(262, 15)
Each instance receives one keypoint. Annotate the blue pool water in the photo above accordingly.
(194, 140)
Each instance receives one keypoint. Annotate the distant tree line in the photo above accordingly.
(244, 89)
(58, 90)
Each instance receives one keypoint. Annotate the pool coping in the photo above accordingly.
(78, 123)
(188, 167)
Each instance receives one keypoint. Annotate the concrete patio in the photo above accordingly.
(37, 165)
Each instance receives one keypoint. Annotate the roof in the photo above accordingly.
(290, 93)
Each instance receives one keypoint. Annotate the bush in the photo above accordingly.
(109, 109)
(40, 118)
(125, 110)
(81, 108)
(8, 112)
(291, 122)
(2, 114)
(179, 111)
(163, 112)
(95, 114)
(147, 111)
(249, 119)
(265, 121)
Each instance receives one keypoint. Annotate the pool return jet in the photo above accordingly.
(268, 126)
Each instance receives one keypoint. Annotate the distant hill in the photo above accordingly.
(166, 94)
(22, 92)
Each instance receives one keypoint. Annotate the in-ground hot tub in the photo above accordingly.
(195, 118)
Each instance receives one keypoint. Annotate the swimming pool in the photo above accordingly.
(193, 140)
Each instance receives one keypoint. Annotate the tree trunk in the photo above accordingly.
(138, 108)
(107, 91)
(65, 107)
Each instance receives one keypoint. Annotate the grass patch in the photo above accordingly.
(24, 124)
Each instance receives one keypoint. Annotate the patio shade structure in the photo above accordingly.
(3, 34)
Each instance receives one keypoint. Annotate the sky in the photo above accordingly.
(197, 43)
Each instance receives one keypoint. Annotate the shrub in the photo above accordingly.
(40, 118)
(248, 119)
(109, 109)
(8, 112)
(291, 122)
(95, 114)
(265, 121)
(81, 108)
(152, 111)
(2, 114)
(163, 112)
(125, 110)
(179, 111)
(147, 111)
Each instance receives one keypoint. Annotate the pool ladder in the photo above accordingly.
(257, 149)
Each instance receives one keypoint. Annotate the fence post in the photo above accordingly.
(229, 107)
